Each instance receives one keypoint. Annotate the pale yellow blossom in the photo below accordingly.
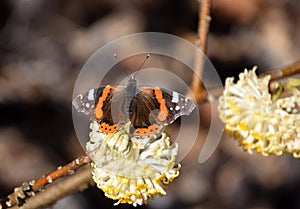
(258, 122)
(129, 173)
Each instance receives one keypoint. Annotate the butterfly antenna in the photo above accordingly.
(148, 55)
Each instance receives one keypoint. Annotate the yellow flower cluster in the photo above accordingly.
(258, 122)
(130, 173)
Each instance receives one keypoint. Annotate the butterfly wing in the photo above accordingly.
(104, 105)
(170, 104)
(177, 104)
(143, 114)
(154, 108)
(85, 102)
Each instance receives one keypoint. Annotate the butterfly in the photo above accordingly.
(148, 109)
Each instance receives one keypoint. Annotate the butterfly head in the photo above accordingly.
(131, 88)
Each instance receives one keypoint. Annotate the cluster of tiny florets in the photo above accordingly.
(258, 122)
(129, 173)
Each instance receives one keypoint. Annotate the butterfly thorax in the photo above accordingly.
(131, 88)
(130, 92)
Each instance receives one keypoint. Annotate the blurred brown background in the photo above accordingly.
(44, 44)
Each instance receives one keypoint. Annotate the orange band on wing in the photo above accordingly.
(153, 129)
(162, 115)
(105, 94)
(106, 128)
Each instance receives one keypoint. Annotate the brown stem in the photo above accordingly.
(60, 189)
(201, 43)
(284, 72)
(21, 193)
(61, 171)
(203, 24)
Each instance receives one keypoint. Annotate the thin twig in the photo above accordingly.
(20, 194)
(72, 183)
(203, 24)
(287, 71)
(61, 171)
(201, 43)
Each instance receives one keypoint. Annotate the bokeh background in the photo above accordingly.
(43, 46)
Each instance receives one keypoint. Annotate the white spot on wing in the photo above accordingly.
(87, 105)
(91, 94)
(177, 108)
(175, 97)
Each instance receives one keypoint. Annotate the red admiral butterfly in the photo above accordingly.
(149, 109)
